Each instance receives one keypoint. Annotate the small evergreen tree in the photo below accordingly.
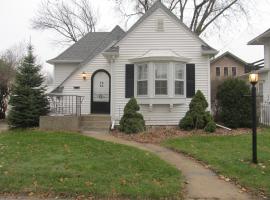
(197, 117)
(28, 100)
(234, 103)
(132, 121)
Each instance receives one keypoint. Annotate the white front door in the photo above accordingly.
(101, 92)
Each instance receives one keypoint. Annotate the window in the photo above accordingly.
(179, 79)
(225, 71)
(234, 71)
(160, 25)
(142, 79)
(161, 86)
(217, 71)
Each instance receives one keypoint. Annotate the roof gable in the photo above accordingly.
(158, 5)
(229, 54)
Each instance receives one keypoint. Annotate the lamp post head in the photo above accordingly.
(253, 78)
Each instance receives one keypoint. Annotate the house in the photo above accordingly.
(222, 67)
(158, 60)
(264, 73)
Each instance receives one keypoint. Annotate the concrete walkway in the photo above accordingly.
(3, 126)
(201, 183)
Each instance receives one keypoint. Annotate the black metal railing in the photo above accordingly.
(65, 104)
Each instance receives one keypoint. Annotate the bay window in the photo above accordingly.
(142, 79)
(161, 82)
(160, 79)
(179, 79)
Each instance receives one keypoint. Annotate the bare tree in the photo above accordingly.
(71, 20)
(9, 60)
(201, 13)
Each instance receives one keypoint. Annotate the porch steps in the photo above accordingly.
(96, 123)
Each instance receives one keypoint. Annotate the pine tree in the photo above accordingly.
(28, 100)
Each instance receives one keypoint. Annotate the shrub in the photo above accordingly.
(187, 122)
(234, 103)
(210, 127)
(196, 117)
(132, 121)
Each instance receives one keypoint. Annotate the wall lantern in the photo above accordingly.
(84, 75)
(253, 79)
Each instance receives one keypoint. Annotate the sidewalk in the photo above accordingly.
(201, 183)
(3, 126)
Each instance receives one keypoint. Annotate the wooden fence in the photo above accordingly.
(265, 114)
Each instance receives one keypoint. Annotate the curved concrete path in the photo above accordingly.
(201, 183)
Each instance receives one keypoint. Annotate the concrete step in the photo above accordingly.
(98, 130)
(98, 124)
(95, 123)
(96, 118)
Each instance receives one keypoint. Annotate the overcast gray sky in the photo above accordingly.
(16, 15)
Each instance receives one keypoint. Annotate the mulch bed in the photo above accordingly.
(157, 135)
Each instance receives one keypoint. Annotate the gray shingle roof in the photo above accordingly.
(227, 53)
(259, 39)
(88, 46)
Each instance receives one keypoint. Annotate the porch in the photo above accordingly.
(66, 115)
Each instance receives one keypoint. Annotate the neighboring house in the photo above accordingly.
(264, 73)
(158, 60)
(225, 66)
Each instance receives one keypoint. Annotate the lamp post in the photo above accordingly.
(253, 79)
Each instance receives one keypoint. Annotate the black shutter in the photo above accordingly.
(190, 77)
(129, 81)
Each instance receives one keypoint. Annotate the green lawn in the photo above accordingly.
(71, 164)
(231, 156)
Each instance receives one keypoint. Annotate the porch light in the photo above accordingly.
(253, 78)
(84, 75)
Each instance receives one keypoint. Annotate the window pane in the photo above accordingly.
(161, 70)
(179, 71)
(161, 87)
(217, 71)
(225, 71)
(142, 88)
(142, 72)
(179, 87)
(234, 71)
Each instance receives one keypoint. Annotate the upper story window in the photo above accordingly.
(233, 71)
(218, 71)
(226, 72)
(179, 79)
(161, 76)
(142, 79)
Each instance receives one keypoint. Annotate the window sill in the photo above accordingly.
(171, 101)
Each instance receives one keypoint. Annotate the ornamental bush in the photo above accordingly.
(210, 127)
(234, 103)
(197, 117)
(132, 121)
